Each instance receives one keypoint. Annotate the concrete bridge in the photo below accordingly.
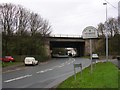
(67, 41)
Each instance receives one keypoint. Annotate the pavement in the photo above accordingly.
(13, 67)
(114, 61)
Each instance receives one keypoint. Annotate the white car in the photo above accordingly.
(30, 61)
(95, 56)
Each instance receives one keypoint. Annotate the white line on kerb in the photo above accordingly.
(18, 78)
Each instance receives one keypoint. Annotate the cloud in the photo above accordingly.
(69, 16)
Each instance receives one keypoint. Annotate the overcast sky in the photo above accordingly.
(69, 16)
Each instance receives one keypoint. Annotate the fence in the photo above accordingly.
(65, 35)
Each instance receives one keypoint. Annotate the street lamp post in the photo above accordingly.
(106, 34)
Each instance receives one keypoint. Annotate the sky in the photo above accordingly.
(70, 17)
(119, 9)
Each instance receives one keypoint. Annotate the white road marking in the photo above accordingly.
(25, 76)
(44, 71)
(18, 78)
(47, 70)
(21, 77)
(40, 72)
(69, 63)
(50, 69)
(60, 66)
(55, 67)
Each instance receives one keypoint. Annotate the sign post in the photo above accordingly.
(89, 33)
(77, 66)
(91, 55)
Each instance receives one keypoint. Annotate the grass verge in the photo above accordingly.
(7, 64)
(105, 75)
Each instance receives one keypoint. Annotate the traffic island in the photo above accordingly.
(104, 75)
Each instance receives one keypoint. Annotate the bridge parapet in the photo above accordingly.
(65, 35)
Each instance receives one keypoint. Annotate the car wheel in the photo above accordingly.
(33, 63)
(37, 64)
(25, 64)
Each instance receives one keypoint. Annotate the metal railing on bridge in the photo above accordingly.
(65, 35)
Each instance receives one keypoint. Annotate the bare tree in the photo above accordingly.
(38, 25)
(17, 21)
(7, 18)
(22, 21)
(119, 24)
(35, 23)
(46, 28)
(101, 29)
(112, 26)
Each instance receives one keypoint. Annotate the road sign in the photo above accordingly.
(77, 66)
(90, 32)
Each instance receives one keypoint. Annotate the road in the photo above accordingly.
(46, 75)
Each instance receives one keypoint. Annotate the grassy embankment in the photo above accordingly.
(105, 75)
(6, 64)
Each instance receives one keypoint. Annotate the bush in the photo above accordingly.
(20, 58)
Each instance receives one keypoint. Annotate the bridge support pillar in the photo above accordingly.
(47, 47)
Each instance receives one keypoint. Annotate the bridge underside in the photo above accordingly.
(80, 46)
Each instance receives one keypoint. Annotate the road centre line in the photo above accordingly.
(18, 78)
(59, 66)
(44, 71)
(25, 76)
(40, 72)
(69, 63)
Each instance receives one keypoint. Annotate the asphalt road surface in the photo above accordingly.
(46, 75)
